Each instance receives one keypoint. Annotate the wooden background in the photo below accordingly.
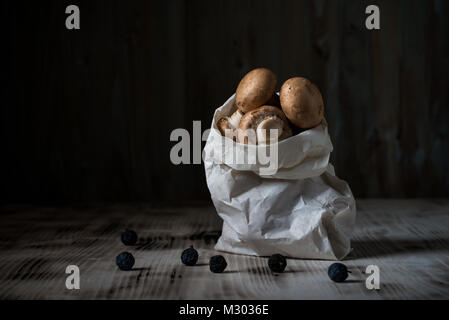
(86, 115)
(407, 239)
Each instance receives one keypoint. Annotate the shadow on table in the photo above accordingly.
(385, 247)
(291, 271)
(231, 271)
(140, 269)
(353, 281)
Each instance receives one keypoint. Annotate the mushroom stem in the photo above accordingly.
(235, 118)
(228, 125)
(255, 126)
(269, 130)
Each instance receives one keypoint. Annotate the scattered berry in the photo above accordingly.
(338, 272)
(189, 256)
(129, 237)
(217, 264)
(125, 261)
(277, 263)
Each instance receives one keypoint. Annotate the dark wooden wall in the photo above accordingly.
(86, 115)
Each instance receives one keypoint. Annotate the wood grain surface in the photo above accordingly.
(90, 112)
(407, 239)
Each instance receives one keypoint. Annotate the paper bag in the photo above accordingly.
(301, 211)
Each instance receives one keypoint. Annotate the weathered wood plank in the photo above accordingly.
(407, 239)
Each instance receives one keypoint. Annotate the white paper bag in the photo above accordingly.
(301, 211)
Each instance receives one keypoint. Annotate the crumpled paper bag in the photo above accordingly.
(301, 211)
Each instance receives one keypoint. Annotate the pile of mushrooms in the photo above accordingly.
(259, 109)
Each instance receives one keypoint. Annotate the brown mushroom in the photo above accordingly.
(302, 102)
(254, 127)
(255, 89)
(228, 125)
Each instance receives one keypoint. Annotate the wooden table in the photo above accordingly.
(407, 239)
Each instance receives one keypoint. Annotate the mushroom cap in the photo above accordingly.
(265, 117)
(255, 89)
(302, 102)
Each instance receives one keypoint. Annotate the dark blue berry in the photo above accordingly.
(189, 256)
(217, 264)
(129, 237)
(125, 261)
(277, 263)
(338, 272)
